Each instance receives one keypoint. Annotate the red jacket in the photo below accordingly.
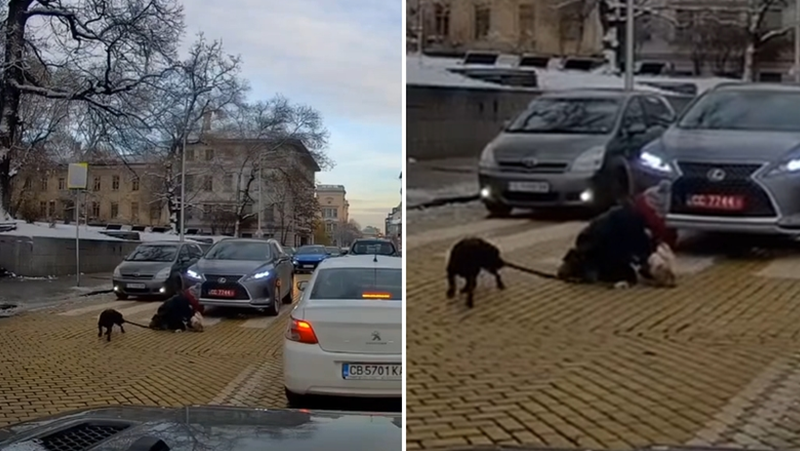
(656, 224)
(195, 303)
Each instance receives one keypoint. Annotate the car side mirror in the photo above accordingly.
(302, 285)
(636, 128)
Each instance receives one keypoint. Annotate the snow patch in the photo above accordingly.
(44, 230)
(416, 196)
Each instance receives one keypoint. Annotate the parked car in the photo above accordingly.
(289, 250)
(568, 149)
(306, 258)
(154, 269)
(734, 159)
(345, 335)
(333, 251)
(241, 272)
(372, 246)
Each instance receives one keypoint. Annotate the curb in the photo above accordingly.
(96, 292)
(444, 201)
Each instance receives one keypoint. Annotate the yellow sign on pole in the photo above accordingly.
(78, 176)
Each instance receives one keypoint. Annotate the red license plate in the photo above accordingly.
(222, 293)
(715, 202)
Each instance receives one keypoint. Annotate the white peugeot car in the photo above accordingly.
(345, 334)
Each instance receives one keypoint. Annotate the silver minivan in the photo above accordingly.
(154, 269)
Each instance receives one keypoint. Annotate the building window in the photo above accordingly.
(135, 184)
(441, 14)
(209, 154)
(208, 183)
(135, 211)
(189, 154)
(44, 184)
(189, 183)
(483, 21)
(27, 184)
(330, 227)
(155, 213)
(96, 186)
(228, 182)
(95, 210)
(115, 183)
(527, 23)
(571, 19)
(114, 210)
(51, 211)
(208, 210)
(330, 213)
(269, 213)
(42, 209)
(62, 183)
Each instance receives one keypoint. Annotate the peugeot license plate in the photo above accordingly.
(529, 187)
(372, 371)
(135, 286)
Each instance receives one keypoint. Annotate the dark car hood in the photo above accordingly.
(222, 267)
(726, 145)
(309, 257)
(222, 429)
(143, 267)
(546, 146)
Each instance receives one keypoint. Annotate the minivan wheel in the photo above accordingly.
(498, 210)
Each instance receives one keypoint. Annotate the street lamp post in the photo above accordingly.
(797, 41)
(629, 44)
(260, 232)
(182, 221)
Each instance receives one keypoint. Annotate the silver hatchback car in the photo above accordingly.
(154, 269)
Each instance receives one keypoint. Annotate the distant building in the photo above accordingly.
(334, 208)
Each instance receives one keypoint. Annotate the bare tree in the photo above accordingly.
(292, 198)
(205, 83)
(222, 220)
(347, 232)
(273, 134)
(111, 49)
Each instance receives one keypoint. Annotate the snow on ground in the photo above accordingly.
(417, 196)
(43, 229)
(433, 71)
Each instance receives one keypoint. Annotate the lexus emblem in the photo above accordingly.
(222, 280)
(136, 274)
(716, 175)
(376, 336)
(530, 162)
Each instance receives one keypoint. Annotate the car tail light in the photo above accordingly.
(376, 295)
(301, 332)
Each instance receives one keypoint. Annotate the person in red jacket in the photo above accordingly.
(196, 305)
(653, 204)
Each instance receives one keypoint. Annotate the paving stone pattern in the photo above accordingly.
(51, 361)
(711, 362)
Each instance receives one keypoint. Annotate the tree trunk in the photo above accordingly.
(10, 95)
(749, 61)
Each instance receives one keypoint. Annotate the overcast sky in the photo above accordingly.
(343, 57)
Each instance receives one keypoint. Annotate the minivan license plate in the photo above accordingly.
(135, 286)
(529, 187)
(372, 371)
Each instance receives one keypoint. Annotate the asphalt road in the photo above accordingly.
(51, 361)
(711, 362)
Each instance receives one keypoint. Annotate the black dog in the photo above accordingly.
(607, 249)
(108, 319)
(471, 255)
(173, 314)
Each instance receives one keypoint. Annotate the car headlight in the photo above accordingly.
(589, 161)
(294, 262)
(487, 157)
(194, 275)
(655, 162)
(163, 274)
(117, 272)
(258, 275)
(787, 167)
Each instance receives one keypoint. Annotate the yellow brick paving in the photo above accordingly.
(545, 363)
(51, 361)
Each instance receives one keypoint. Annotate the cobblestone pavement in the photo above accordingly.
(51, 361)
(712, 361)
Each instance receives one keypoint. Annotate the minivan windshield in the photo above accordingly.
(593, 115)
(239, 250)
(308, 250)
(152, 253)
(358, 283)
(757, 110)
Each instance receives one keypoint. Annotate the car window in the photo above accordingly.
(184, 253)
(657, 112)
(358, 283)
(239, 250)
(195, 251)
(373, 247)
(761, 110)
(568, 115)
(634, 114)
(152, 253)
(279, 250)
(310, 250)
